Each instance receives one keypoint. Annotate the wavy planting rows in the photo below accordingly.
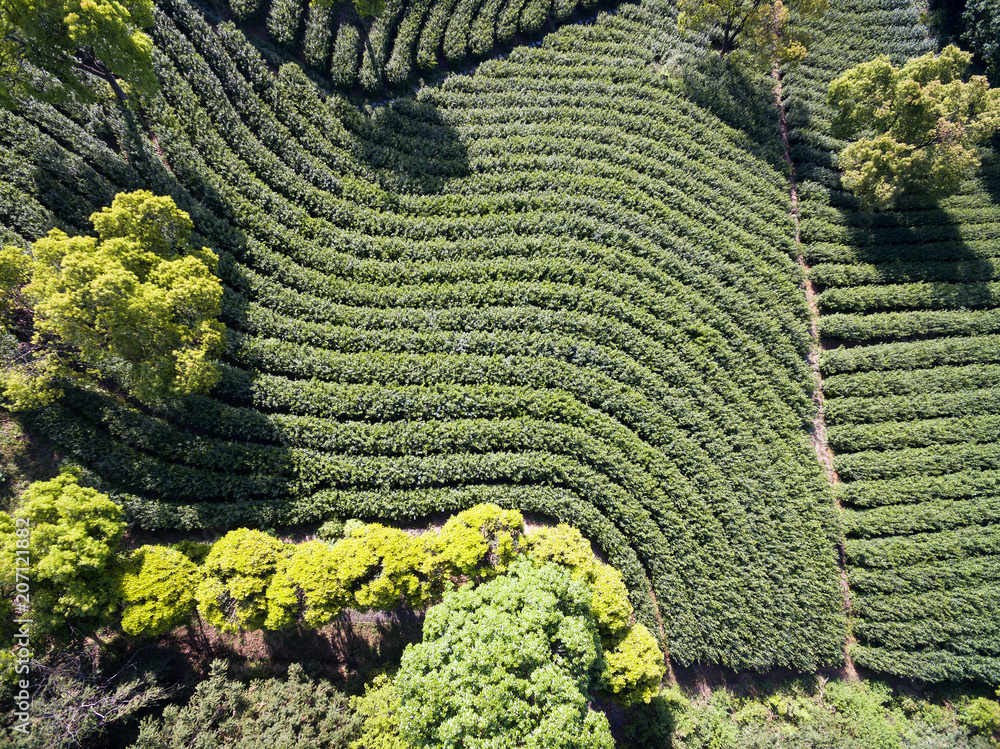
(909, 311)
(561, 284)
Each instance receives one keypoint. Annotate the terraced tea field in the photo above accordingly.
(559, 283)
(566, 282)
(909, 322)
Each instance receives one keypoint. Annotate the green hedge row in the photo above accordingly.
(895, 386)
(925, 405)
(896, 325)
(893, 435)
(914, 489)
(932, 515)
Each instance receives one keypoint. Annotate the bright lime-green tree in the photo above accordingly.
(567, 547)
(915, 127)
(308, 586)
(237, 572)
(157, 591)
(382, 567)
(74, 568)
(757, 27)
(138, 299)
(479, 543)
(99, 38)
(512, 660)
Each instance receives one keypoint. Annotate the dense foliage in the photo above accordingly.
(379, 44)
(69, 536)
(96, 37)
(137, 298)
(293, 713)
(909, 375)
(506, 663)
(759, 27)
(924, 121)
(565, 284)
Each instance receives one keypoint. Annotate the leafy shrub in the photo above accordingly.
(479, 543)
(74, 571)
(157, 591)
(233, 594)
(633, 668)
(377, 710)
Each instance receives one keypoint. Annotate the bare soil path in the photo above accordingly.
(819, 440)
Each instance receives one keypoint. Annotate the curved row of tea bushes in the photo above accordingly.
(561, 283)
(408, 38)
(909, 318)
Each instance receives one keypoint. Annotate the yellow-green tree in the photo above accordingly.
(157, 590)
(918, 125)
(758, 27)
(237, 572)
(99, 38)
(74, 570)
(138, 299)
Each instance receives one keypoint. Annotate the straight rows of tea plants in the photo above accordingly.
(560, 284)
(909, 318)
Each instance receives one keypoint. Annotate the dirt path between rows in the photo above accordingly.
(819, 440)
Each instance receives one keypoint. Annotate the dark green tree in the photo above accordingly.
(293, 713)
(99, 38)
(981, 33)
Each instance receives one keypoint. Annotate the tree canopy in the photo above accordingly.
(138, 300)
(157, 590)
(101, 38)
(759, 27)
(74, 572)
(507, 663)
(919, 125)
(293, 713)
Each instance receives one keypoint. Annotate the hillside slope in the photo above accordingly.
(565, 283)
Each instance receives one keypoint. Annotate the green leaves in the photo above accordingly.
(505, 663)
(100, 37)
(74, 536)
(127, 296)
(233, 594)
(157, 591)
(921, 122)
(756, 26)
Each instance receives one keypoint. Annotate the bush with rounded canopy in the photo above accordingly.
(566, 546)
(74, 570)
(233, 593)
(138, 299)
(479, 543)
(157, 591)
(919, 125)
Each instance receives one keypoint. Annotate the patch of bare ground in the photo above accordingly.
(24, 458)
(819, 437)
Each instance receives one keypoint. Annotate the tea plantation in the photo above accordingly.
(567, 282)
(908, 306)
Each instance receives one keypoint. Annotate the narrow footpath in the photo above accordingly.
(819, 440)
